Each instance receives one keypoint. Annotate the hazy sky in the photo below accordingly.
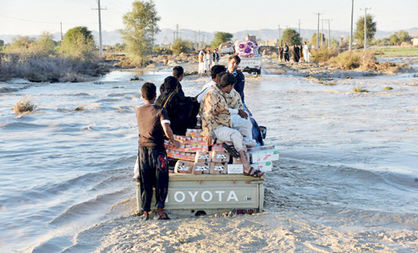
(29, 17)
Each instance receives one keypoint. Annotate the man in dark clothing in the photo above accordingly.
(181, 110)
(153, 127)
(296, 55)
(286, 52)
(281, 53)
(233, 63)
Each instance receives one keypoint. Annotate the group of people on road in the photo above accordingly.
(224, 118)
(299, 53)
(207, 59)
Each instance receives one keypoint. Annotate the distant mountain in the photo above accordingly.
(166, 36)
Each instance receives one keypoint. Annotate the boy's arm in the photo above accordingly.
(169, 133)
(165, 123)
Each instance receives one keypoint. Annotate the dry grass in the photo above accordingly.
(323, 54)
(49, 69)
(24, 106)
(358, 89)
(363, 61)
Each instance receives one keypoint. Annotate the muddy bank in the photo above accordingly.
(323, 73)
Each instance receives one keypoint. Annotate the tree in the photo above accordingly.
(313, 39)
(371, 29)
(44, 45)
(1, 43)
(291, 37)
(140, 28)
(19, 45)
(181, 46)
(220, 37)
(399, 37)
(78, 42)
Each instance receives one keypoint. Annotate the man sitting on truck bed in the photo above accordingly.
(239, 84)
(239, 117)
(216, 120)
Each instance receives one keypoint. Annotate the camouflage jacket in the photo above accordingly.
(214, 111)
(234, 100)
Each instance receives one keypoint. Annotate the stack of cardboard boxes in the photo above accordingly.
(194, 156)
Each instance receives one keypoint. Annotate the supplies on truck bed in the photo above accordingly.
(194, 157)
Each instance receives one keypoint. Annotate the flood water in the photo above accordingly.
(349, 161)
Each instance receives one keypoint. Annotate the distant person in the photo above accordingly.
(306, 53)
(296, 53)
(208, 61)
(153, 127)
(181, 110)
(216, 57)
(281, 53)
(201, 59)
(286, 52)
(300, 53)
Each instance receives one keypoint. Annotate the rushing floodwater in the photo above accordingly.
(344, 155)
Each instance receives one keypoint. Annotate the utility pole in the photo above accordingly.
(299, 26)
(177, 31)
(329, 33)
(322, 32)
(61, 30)
(317, 34)
(280, 34)
(351, 31)
(99, 9)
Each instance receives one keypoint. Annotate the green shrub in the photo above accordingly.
(78, 42)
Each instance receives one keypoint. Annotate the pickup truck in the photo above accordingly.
(250, 57)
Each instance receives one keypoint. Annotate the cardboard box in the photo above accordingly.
(264, 155)
(238, 160)
(263, 166)
(187, 140)
(219, 156)
(202, 157)
(235, 168)
(183, 167)
(201, 168)
(218, 168)
(180, 155)
(194, 132)
(217, 147)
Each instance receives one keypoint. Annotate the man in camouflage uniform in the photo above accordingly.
(216, 119)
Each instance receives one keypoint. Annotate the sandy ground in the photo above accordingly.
(263, 232)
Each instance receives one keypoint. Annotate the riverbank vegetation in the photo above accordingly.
(74, 59)
(363, 61)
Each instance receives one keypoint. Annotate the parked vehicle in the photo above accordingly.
(248, 51)
(226, 47)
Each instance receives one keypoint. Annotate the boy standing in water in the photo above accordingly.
(153, 126)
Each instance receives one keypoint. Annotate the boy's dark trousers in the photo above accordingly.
(153, 172)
